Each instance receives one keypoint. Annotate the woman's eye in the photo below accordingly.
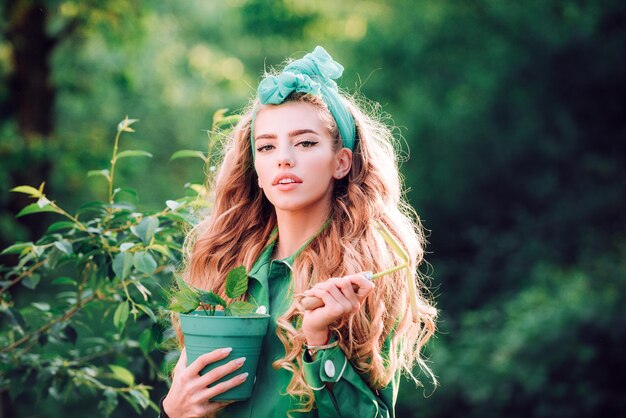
(264, 148)
(307, 144)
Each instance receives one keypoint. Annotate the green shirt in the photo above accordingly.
(350, 395)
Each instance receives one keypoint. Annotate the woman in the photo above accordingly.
(306, 178)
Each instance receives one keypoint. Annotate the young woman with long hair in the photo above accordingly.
(307, 180)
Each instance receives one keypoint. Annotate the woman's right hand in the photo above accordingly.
(189, 396)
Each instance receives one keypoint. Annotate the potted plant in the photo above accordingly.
(208, 322)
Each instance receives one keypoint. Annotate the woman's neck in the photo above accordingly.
(295, 228)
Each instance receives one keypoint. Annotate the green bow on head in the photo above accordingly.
(314, 74)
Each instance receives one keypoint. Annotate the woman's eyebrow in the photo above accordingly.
(302, 132)
(290, 134)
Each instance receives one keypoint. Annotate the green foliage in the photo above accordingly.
(210, 298)
(236, 282)
(187, 298)
(108, 268)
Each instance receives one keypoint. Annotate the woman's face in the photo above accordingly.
(294, 158)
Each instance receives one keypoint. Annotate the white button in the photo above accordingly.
(329, 368)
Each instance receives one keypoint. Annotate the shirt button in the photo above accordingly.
(329, 368)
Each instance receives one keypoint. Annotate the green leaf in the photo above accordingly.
(239, 308)
(144, 262)
(107, 405)
(35, 208)
(175, 217)
(162, 249)
(198, 188)
(228, 120)
(144, 230)
(125, 194)
(148, 312)
(121, 316)
(68, 296)
(187, 153)
(172, 204)
(31, 281)
(126, 246)
(29, 190)
(236, 282)
(64, 246)
(210, 298)
(218, 115)
(141, 397)
(142, 289)
(16, 320)
(184, 301)
(58, 226)
(133, 153)
(146, 340)
(97, 207)
(181, 283)
(104, 173)
(122, 264)
(122, 374)
(42, 306)
(64, 280)
(17, 248)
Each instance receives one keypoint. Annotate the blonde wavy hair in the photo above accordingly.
(382, 338)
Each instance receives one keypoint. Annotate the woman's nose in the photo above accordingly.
(285, 159)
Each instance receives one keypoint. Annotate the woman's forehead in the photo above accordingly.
(289, 117)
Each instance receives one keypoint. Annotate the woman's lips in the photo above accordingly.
(286, 186)
(286, 176)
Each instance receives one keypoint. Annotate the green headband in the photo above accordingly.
(314, 74)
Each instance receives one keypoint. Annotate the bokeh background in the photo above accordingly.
(513, 126)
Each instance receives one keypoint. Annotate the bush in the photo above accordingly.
(84, 306)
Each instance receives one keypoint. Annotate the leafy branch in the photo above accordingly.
(109, 252)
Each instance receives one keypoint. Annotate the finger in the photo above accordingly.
(334, 292)
(217, 373)
(182, 361)
(324, 295)
(208, 358)
(365, 286)
(342, 303)
(310, 303)
(348, 290)
(213, 391)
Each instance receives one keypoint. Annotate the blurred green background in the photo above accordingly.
(514, 131)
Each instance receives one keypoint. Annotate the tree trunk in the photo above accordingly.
(31, 98)
(31, 90)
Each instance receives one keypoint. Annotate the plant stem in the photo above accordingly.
(23, 275)
(113, 161)
(45, 327)
(391, 240)
(67, 215)
(391, 270)
(69, 313)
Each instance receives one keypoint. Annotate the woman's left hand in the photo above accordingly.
(340, 300)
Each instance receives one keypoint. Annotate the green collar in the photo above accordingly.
(266, 254)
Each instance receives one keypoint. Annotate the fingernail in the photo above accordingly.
(243, 376)
(368, 275)
(240, 360)
(226, 350)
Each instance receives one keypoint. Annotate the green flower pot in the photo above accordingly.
(243, 333)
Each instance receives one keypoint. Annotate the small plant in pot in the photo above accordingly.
(208, 322)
